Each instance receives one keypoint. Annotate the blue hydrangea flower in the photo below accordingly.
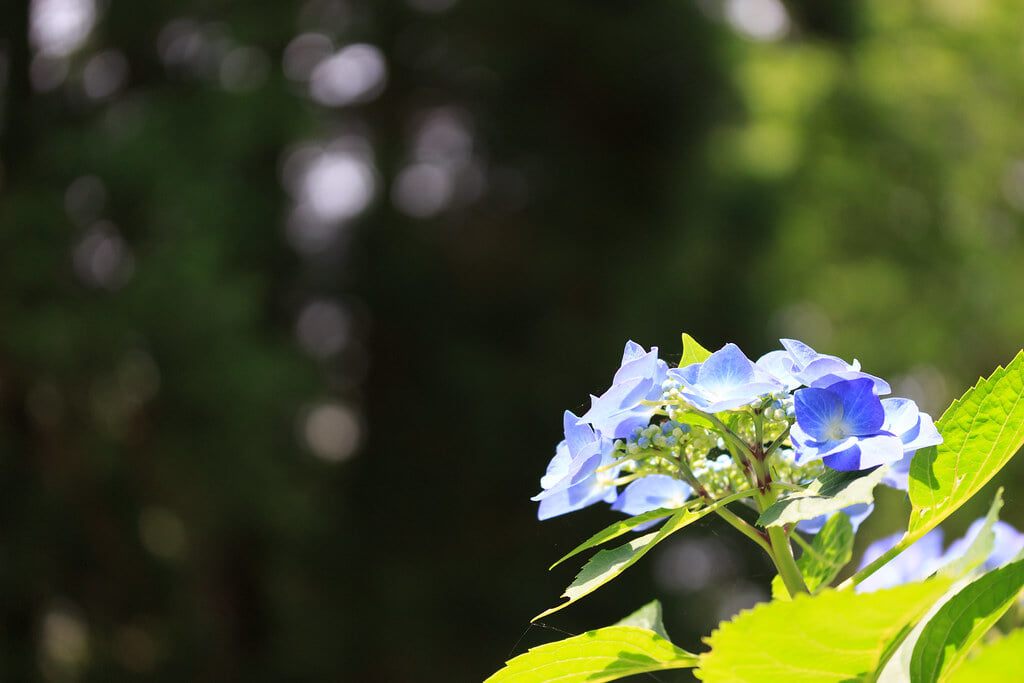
(915, 430)
(842, 425)
(925, 556)
(726, 380)
(857, 514)
(572, 480)
(915, 563)
(652, 492)
(1008, 544)
(800, 365)
(619, 410)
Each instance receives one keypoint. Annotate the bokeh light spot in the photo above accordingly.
(758, 19)
(162, 533)
(59, 27)
(104, 74)
(332, 431)
(354, 74)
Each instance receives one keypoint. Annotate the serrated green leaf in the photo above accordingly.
(981, 431)
(831, 636)
(649, 617)
(962, 621)
(615, 530)
(605, 654)
(1000, 661)
(982, 545)
(619, 528)
(692, 352)
(607, 564)
(828, 493)
(820, 562)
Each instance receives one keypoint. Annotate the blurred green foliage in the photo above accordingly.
(856, 180)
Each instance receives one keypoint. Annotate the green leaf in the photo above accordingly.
(981, 431)
(828, 493)
(831, 636)
(605, 654)
(897, 670)
(692, 352)
(824, 558)
(607, 564)
(648, 617)
(982, 545)
(962, 621)
(997, 662)
(621, 527)
(615, 530)
(895, 667)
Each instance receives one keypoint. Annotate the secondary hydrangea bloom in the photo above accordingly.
(1009, 542)
(842, 425)
(857, 513)
(924, 557)
(620, 410)
(726, 380)
(917, 562)
(572, 480)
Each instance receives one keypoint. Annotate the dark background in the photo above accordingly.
(292, 297)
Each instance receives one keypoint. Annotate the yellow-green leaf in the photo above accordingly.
(832, 636)
(1000, 661)
(981, 431)
(692, 352)
(605, 654)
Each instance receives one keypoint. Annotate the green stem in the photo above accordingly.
(878, 563)
(778, 442)
(746, 529)
(784, 562)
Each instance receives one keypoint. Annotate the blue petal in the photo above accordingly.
(581, 467)
(621, 424)
(898, 474)
(879, 449)
(817, 412)
(866, 452)
(901, 415)
(645, 366)
(558, 468)
(779, 365)
(650, 493)
(857, 513)
(577, 434)
(926, 435)
(569, 500)
(862, 410)
(881, 386)
(686, 375)
(725, 369)
(632, 352)
(801, 353)
(619, 397)
(819, 367)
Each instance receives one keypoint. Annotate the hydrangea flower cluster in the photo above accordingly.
(662, 435)
(926, 556)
